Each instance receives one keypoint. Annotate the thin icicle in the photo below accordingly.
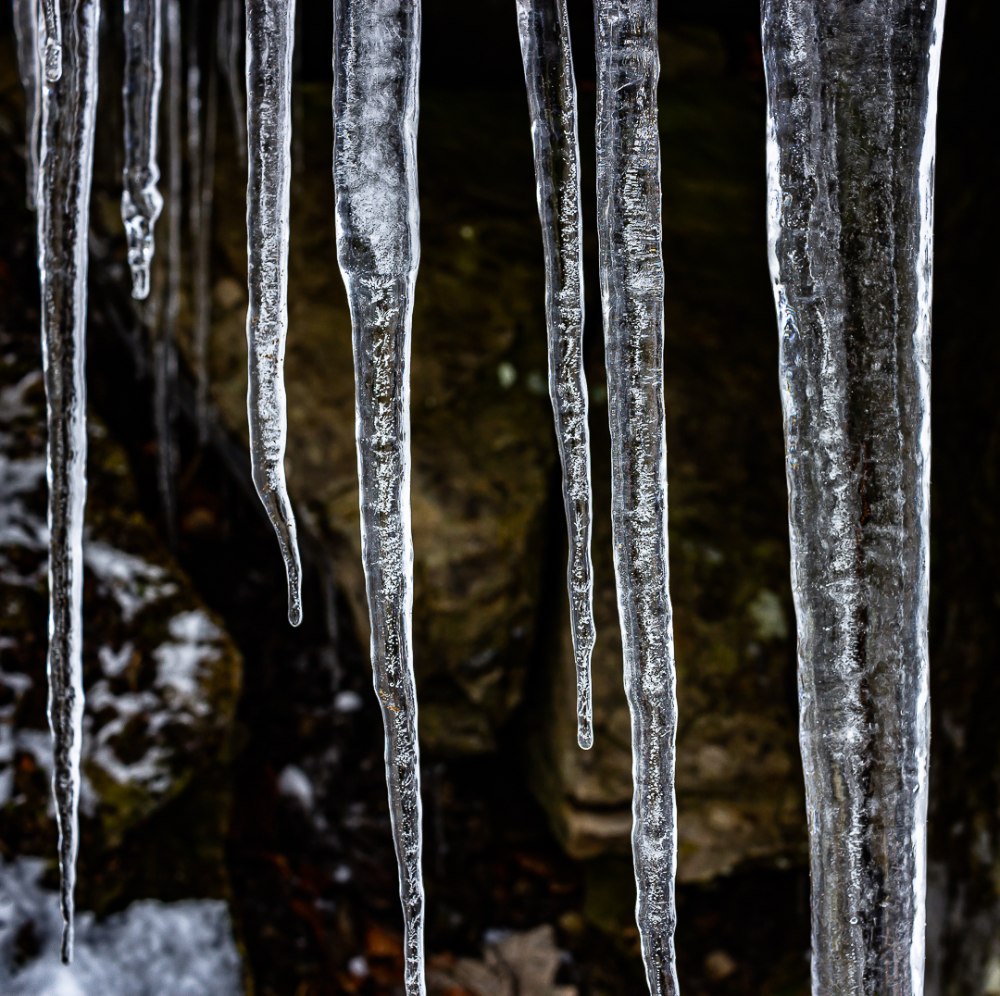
(852, 98)
(141, 200)
(52, 53)
(543, 26)
(26, 29)
(630, 235)
(203, 255)
(270, 40)
(165, 331)
(230, 37)
(66, 168)
(375, 102)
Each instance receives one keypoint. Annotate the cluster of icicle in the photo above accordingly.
(851, 96)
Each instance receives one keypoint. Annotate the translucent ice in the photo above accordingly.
(270, 34)
(851, 96)
(543, 26)
(632, 288)
(376, 63)
(66, 160)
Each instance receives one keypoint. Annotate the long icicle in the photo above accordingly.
(141, 200)
(548, 72)
(375, 105)
(203, 254)
(165, 329)
(230, 35)
(26, 30)
(270, 39)
(66, 169)
(851, 99)
(632, 288)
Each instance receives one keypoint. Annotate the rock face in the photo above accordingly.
(483, 453)
(738, 774)
(161, 677)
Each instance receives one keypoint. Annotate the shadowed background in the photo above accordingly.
(229, 757)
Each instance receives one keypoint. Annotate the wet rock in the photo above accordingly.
(738, 772)
(161, 676)
(483, 447)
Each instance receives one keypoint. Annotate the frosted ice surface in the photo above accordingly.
(376, 65)
(270, 34)
(543, 26)
(69, 102)
(141, 200)
(851, 100)
(632, 288)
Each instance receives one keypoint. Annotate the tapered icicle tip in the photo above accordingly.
(140, 281)
(66, 948)
(53, 60)
(294, 595)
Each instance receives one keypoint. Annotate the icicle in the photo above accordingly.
(230, 36)
(851, 93)
(548, 72)
(165, 332)
(203, 256)
(629, 233)
(270, 39)
(52, 50)
(66, 167)
(141, 201)
(376, 63)
(26, 29)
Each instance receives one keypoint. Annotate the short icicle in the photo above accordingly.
(270, 39)
(375, 102)
(141, 200)
(543, 26)
(851, 101)
(632, 289)
(65, 171)
(26, 30)
(52, 53)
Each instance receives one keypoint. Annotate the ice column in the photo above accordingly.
(141, 201)
(270, 34)
(26, 30)
(376, 63)
(543, 26)
(851, 93)
(629, 234)
(66, 160)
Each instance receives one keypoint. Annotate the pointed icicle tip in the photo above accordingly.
(66, 950)
(140, 282)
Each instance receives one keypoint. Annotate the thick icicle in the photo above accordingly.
(548, 72)
(270, 35)
(52, 53)
(851, 94)
(376, 63)
(629, 234)
(141, 200)
(26, 29)
(66, 167)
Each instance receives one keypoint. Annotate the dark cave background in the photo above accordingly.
(311, 885)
